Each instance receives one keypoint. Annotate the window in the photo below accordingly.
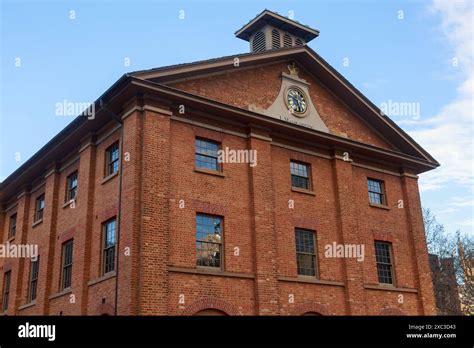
(305, 252)
(71, 187)
(109, 240)
(112, 159)
(206, 154)
(376, 191)
(12, 227)
(6, 290)
(383, 256)
(39, 208)
(34, 270)
(66, 264)
(300, 174)
(209, 240)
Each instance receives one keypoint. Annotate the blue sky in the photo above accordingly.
(400, 51)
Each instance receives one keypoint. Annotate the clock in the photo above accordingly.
(296, 101)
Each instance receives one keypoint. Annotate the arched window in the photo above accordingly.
(258, 42)
(287, 41)
(275, 39)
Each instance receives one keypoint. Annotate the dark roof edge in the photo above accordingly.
(61, 135)
(376, 110)
(130, 76)
(184, 94)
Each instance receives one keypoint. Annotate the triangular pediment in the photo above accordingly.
(254, 82)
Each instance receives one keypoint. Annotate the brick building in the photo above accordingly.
(134, 212)
(445, 285)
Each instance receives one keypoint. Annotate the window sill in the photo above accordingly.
(311, 280)
(209, 171)
(61, 293)
(388, 287)
(380, 206)
(209, 271)
(28, 305)
(36, 223)
(105, 277)
(301, 190)
(109, 177)
(68, 203)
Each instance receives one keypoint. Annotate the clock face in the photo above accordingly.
(296, 100)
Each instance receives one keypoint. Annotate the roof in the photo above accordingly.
(316, 65)
(155, 80)
(269, 17)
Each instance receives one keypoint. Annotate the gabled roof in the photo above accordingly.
(314, 64)
(155, 80)
(269, 17)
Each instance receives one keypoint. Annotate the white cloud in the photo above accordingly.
(449, 135)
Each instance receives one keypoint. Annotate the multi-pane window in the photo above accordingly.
(383, 256)
(305, 252)
(300, 175)
(208, 240)
(66, 264)
(109, 241)
(206, 154)
(112, 159)
(376, 191)
(12, 227)
(34, 270)
(39, 208)
(71, 187)
(6, 290)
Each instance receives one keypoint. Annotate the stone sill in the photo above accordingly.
(380, 206)
(105, 277)
(208, 171)
(36, 223)
(109, 177)
(300, 190)
(204, 271)
(61, 293)
(310, 280)
(68, 203)
(28, 305)
(389, 288)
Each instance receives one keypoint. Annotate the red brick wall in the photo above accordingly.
(242, 88)
(259, 276)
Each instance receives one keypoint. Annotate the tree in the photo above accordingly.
(464, 266)
(457, 248)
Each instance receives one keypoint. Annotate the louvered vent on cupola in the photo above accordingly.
(270, 30)
(258, 42)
